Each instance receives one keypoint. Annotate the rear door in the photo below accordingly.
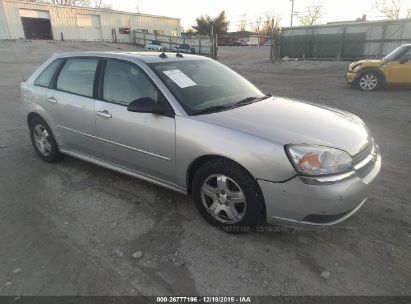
(72, 103)
(142, 142)
(399, 71)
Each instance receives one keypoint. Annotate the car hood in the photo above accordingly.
(367, 63)
(287, 121)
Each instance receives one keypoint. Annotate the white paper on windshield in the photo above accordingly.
(181, 79)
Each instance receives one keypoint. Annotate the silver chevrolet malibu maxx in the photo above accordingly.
(192, 125)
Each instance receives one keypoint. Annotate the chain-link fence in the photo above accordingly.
(200, 45)
(354, 40)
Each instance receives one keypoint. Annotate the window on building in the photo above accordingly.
(77, 76)
(159, 32)
(45, 77)
(143, 30)
(124, 30)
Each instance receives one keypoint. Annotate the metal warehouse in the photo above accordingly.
(35, 20)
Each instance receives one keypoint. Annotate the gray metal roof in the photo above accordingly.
(147, 57)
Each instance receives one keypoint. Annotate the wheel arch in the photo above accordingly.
(374, 70)
(201, 160)
(32, 115)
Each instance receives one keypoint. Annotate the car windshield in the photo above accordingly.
(204, 86)
(394, 54)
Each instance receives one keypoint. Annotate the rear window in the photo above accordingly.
(77, 76)
(45, 77)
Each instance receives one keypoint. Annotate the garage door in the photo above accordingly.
(89, 27)
(36, 24)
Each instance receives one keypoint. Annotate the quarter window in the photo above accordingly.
(77, 76)
(124, 82)
(45, 77)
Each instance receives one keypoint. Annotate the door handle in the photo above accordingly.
(104, 114)
(52, 100)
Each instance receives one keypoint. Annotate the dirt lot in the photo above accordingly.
(71, 228)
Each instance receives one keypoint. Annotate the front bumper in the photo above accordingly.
(350, 77)
(322, 202)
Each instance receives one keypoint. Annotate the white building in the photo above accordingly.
(35, 20)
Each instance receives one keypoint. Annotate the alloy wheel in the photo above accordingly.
(368, 82)
(42, 139)
(223, 199)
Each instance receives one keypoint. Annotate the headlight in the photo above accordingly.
(318, 160)
(357, 68)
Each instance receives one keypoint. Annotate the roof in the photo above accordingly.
(352, 23)
(240, 33)
(147, 57)
(22, 3)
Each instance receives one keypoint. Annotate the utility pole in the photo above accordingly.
(272, 40)
(292, 12)
(212, 40)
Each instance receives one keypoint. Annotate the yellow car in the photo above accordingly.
(395, 68)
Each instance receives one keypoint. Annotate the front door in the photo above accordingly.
(142, 142)
(399, 71)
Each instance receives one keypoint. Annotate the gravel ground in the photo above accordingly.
(73, 228)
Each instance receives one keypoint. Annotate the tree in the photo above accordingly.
(242, 25)
(312, 15)
(69, 2)
(101, 4)
(205, 24)
(267, 22)
(389, 8)
(257, 25)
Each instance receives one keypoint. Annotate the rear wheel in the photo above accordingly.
(369, 81)
(43, 140)
(227, 196)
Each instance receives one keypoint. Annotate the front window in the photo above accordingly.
(394, 55)
(205, 85)
(406, 55)
(124, 82)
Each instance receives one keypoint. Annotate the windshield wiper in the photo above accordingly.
(212, 109)
(249, 100)
(240, 103)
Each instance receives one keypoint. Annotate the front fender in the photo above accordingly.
(262, 158)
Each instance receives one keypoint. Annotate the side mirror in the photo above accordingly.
(145, 105)
(404, 60)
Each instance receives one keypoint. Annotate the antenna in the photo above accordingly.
(17, 62)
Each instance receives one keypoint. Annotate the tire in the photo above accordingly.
(43, 140)
(369, 81)
(227, 196)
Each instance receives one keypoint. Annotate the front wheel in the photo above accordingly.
(369, 81)
(227, 196)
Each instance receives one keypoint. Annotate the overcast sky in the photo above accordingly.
(188, 10)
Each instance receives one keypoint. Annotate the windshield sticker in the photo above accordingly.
(181, 79)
